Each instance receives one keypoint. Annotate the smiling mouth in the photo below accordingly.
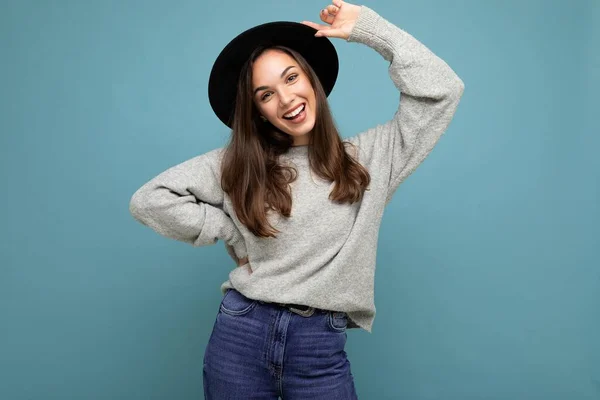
(298, 114)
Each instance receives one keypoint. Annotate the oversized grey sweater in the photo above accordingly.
(325, 254)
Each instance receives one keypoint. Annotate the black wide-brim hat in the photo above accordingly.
(319, 52)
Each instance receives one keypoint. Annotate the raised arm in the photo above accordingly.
(185, 203)
(430, 93)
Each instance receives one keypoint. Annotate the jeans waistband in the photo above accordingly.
(305, 311)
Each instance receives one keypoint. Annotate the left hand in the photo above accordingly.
(238, 261)
(340, 16)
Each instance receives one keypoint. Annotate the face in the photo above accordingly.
(280, 90)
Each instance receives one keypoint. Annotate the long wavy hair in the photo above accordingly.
(251, 173)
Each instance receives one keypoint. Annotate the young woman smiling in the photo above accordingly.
(298, 207)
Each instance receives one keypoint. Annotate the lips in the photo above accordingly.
(300, 106)
(298, 119)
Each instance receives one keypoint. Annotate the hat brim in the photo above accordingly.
(319, 52)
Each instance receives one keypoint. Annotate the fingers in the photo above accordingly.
(315, 26)
(326, 16)
(330, 32)
(331, 9)
(329, 13)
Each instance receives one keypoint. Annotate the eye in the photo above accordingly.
(291, 78)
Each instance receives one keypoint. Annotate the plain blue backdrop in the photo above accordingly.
(488, 271)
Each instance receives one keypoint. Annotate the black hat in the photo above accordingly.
(319, 52)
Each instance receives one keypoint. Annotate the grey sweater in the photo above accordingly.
(325, 254)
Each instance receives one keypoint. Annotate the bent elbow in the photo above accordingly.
(137, 205)
(459, 88)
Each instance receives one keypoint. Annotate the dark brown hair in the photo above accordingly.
(251, 174)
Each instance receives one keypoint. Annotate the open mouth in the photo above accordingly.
(297, 114)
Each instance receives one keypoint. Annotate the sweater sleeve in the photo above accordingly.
(185, 203)
(429, 95)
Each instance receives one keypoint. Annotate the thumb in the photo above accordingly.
(336, 33)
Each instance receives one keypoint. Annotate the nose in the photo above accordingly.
(285, 99)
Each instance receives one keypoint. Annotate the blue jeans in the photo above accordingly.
(260, 350)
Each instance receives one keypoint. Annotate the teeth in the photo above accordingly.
(295, 112)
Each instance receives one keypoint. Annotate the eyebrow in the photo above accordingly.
(266, 87)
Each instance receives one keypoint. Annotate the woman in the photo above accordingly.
(299, 208)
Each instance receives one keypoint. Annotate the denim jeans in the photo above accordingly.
(260, 350)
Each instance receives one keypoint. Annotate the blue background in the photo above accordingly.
(488, 273)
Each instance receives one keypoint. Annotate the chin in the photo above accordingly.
(303, 130)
